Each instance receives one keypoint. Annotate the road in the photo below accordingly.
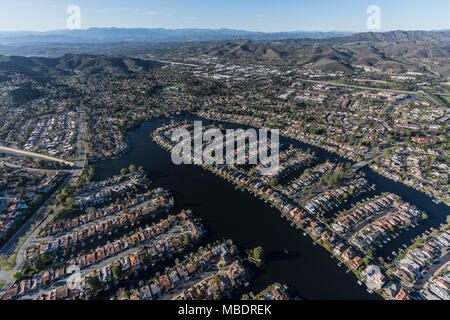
(177, 63)
(425, 292)
(51, 171)
(436, 102)
(412, 93)
(201, 278)
(92, 223)
(428, 273)
(33, 155)
(43, 215)
(364, 223)
(173, 232)
(362, 164)
(373, 157)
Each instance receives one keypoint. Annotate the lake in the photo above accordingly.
(232, 214)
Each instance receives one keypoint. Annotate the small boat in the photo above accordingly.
(285, 251)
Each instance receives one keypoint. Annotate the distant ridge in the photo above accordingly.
(160, 35)
(393, 51)
(155, 35)
(399, 36)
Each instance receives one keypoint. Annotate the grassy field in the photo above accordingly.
(446, 99)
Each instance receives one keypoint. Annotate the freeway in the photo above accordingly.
(33, 155)
(358, 87)
(436, 102)
(43, 215)
(412, 93)
(51, 171)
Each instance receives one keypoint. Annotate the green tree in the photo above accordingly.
(187, 240)
(257, 254)
(124, 172)
(132, 168)
(94, 284)
(117, 272)
(17, 275)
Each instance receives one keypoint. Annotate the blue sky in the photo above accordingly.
(252, 15)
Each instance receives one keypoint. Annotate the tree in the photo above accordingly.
(94, 284)
(132, 168)
(117, 272)
(60, 198)
(17, 275)
(424, 216)
(257, 254)
(3, 261)
(123, 172)
(187, 240)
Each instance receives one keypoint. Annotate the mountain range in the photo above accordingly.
(395, 51)
(107, 35)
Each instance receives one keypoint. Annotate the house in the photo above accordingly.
(374, 278)
(356, 262)
(402, 295)
(11, 293)
(165, 282)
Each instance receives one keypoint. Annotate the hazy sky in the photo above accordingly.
(253, 15)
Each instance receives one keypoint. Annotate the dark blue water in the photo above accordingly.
(249, 222)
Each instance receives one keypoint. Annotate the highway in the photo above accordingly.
(51, 171)
(412, 93)
(18, 152)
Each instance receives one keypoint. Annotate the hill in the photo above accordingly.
(38, 67)
(389, 51)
